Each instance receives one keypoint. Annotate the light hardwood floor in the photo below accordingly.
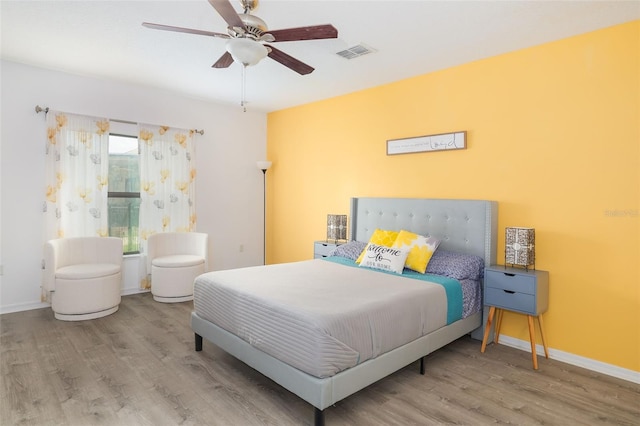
(138, 367)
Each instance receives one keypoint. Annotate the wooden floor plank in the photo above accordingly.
(138, 367)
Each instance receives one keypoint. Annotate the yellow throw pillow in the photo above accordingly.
(420, 248)
(380, 237)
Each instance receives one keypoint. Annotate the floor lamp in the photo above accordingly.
(264, 166)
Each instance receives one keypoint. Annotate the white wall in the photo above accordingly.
(228, 187)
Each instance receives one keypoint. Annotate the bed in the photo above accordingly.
(320, 368)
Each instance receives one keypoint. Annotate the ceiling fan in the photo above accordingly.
(247, 37)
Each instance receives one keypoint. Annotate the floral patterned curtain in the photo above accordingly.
(76, 176)
(167, 183)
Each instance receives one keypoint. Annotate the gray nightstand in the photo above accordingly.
(324, 248)
(516, 290)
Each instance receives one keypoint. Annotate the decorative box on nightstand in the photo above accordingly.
(325, 248)
(517, 290)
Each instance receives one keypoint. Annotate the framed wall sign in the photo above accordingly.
(428, 143)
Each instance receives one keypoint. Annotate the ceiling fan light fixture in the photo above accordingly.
(245, 51)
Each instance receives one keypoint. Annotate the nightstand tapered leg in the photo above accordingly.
(544, 341)
(532, 337)
(487, 329)
(496, 336)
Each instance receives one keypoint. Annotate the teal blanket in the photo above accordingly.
(452, 287)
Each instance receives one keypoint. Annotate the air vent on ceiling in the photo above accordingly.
(355, 51)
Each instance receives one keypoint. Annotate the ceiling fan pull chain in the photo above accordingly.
(244, 88)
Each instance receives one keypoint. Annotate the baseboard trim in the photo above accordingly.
(579, 361)
(129, 291)
(19, 307)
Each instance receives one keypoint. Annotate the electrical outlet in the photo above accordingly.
(241, 248)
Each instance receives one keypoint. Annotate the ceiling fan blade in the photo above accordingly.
(224, 61)
(289, 61)
(183, 30)
(228, 13)
(314, 32)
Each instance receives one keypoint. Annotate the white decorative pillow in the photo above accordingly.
(384, 258)
(420, 248)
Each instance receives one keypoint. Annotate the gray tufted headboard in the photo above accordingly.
(467, 226)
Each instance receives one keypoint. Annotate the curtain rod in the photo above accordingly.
(39, 109)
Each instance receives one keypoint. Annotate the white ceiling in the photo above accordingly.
(105, 39)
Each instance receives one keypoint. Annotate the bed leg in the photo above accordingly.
(422, 366)
(198, 342)
(318, 416)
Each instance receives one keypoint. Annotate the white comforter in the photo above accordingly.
(320, 317)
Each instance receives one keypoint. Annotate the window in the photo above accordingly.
(124, 191)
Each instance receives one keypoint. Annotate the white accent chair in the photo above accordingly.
(84, 276)
(175, 259)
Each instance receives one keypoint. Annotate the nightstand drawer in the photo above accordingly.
(520, 283)
(511, 300)
(321, 249)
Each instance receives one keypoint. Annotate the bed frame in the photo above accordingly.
(468, 226)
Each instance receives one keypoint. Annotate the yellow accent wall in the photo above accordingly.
(553, 134)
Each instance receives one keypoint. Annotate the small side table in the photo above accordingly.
(517, 290)
(325, 248)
